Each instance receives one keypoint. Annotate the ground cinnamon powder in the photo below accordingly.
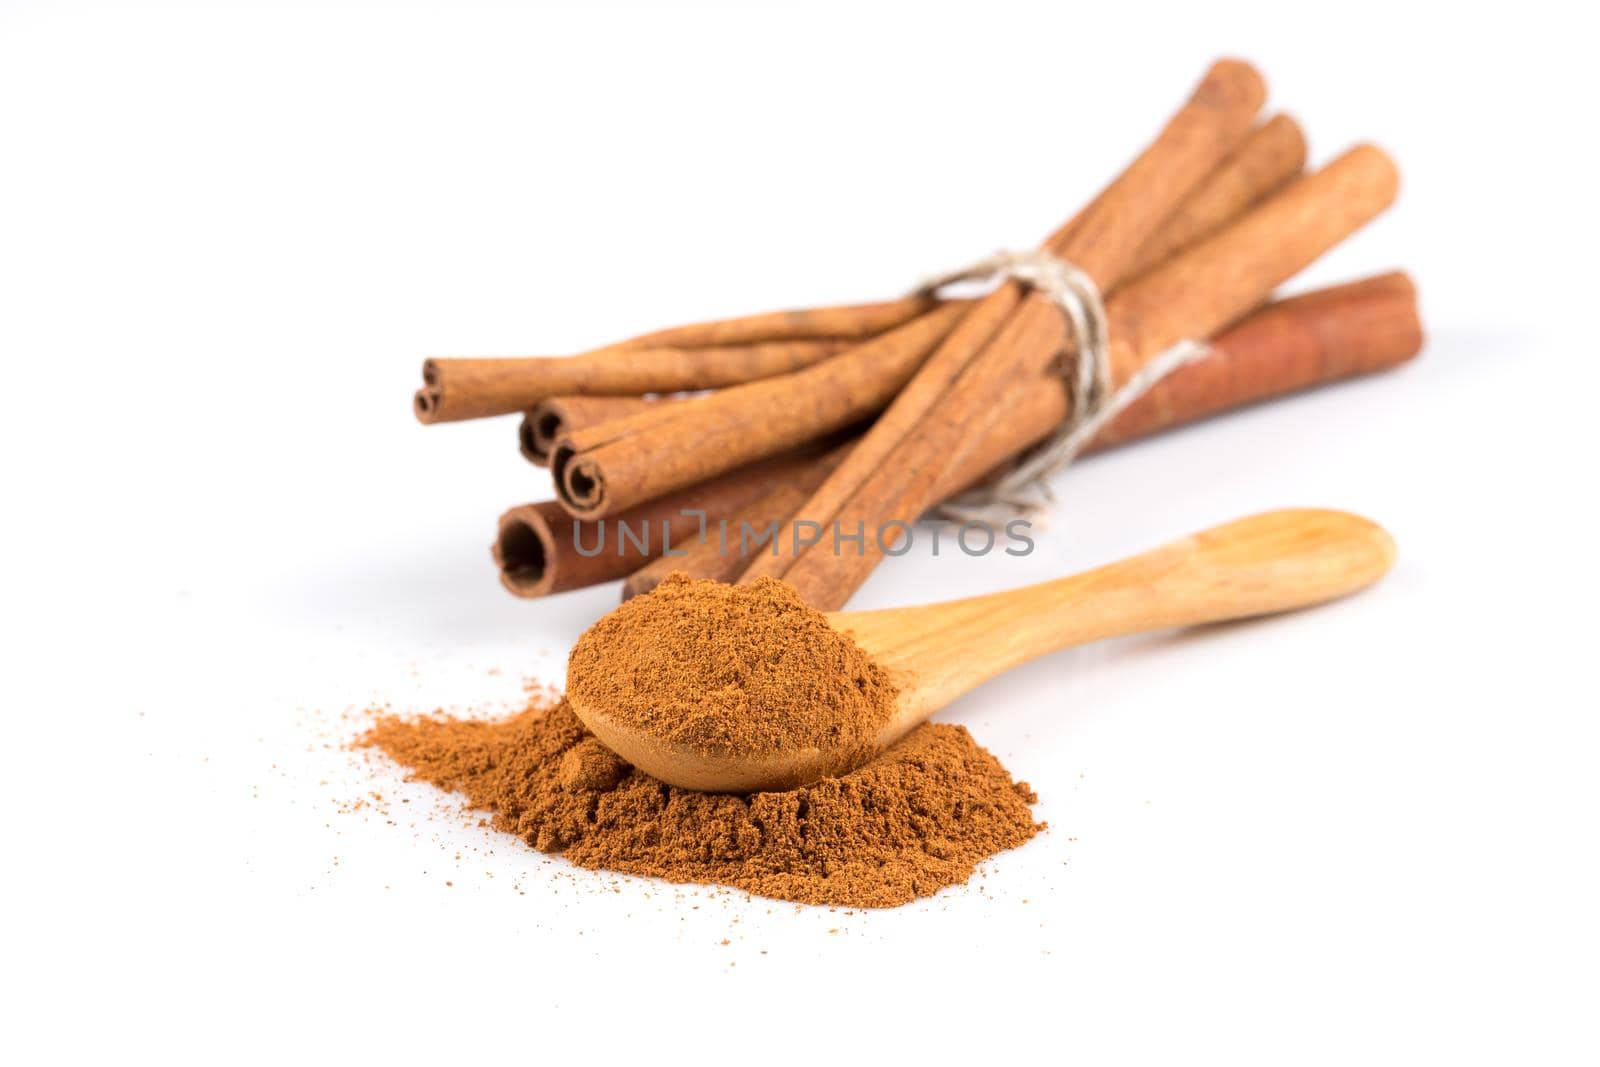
(917, 818)
(723, 669)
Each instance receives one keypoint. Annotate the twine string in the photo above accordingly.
(1024, 491)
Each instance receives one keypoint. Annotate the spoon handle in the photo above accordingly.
(1275, 561)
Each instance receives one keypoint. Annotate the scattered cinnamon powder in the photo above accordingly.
(917, 818)
(723, 669)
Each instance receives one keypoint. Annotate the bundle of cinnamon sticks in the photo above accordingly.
(709, 448)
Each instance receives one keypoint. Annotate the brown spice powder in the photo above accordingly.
(917, 818)
(722, 669)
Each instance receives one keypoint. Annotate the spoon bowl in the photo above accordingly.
(1273, 562)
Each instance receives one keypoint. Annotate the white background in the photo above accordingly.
(229, 234)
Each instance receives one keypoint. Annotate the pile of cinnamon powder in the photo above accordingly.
(916, 819)
(730, 669)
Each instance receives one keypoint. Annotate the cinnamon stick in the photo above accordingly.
(1321, 337)
(615, 466)
(456, 389)
(537, 545)
(555, 417)
(705, 355)
(1194, 294)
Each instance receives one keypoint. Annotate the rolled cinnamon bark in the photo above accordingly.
(704, 355)
(1323, 336)
(537, 545)
(554, 418)
(456, 389)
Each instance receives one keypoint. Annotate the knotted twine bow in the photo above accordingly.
(1024, 490)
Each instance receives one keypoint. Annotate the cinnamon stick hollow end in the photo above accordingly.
(540, 551)
(456, 389)
(536, 435)
(542, 428)
(427, 400)
(585, 486)
(579, 484)
(525, 551)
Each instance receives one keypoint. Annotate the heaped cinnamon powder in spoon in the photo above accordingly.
(730, 669)
(917, 818)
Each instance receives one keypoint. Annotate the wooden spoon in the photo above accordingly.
(1267, 563)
